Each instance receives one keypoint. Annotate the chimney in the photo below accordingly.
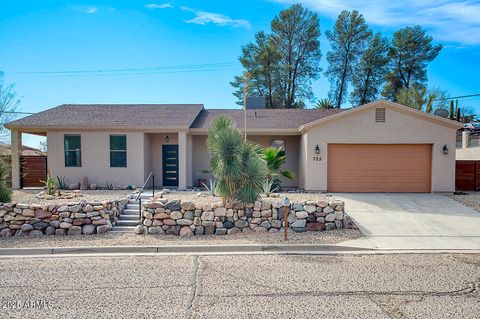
(255, 102)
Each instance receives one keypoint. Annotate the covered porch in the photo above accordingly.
(167, 157)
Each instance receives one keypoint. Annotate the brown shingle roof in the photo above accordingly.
(163, 116)
(265, 119)
(112, 115)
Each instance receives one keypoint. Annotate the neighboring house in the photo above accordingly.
(26, 151)
(378, 147)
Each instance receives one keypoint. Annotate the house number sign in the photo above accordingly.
(317, 158)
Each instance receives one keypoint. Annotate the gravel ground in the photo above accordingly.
(192, 196)
(244, 286)
(471, 200)
(27, 196)
(130, 239)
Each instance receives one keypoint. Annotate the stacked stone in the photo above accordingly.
(189, 218)
(68, 219)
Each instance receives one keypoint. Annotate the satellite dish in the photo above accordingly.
(442, 113)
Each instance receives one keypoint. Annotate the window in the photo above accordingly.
(380, 115)
(118, 151)
(73, 152)
(277, 143)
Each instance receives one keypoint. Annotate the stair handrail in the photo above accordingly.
(151, 175)
(139, 199)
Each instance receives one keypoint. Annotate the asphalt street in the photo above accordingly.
(242, 286)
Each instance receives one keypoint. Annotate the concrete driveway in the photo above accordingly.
(412, 221)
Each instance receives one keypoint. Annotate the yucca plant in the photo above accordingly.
(275, 158)
(236, 164)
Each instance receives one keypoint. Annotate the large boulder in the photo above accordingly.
(89, 229)
(173, 205)
(75, 230)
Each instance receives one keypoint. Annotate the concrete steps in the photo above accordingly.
(129, 218)
(123, 229)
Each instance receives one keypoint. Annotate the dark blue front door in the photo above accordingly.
(170, 165)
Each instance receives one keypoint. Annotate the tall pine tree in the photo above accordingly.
(282, 65)
(348, 40)
(410, 53)
(369, 73)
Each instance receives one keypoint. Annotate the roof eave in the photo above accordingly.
(427, 116)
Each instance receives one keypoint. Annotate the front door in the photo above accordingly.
(170, 165)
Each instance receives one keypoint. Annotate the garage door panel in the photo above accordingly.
(379, 168)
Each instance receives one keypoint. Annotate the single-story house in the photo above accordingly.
(377, 147)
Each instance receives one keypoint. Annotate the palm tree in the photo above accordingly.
(275, 158)
(324, 104)
(236, 164)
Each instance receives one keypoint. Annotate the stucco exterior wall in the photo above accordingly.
(201, 158)
(95, 147)
(361, 128)
(291, 154)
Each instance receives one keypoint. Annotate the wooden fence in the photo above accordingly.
(33, 169)
(467, 175)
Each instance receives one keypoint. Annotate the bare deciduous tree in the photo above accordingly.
(9, 101)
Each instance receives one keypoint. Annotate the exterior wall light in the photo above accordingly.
(317, 149)
(445, 149)
(167, 139)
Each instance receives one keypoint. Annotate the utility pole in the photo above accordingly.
(246, 88)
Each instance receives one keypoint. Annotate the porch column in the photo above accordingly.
(465, 138)
(16, 150)
(182, 160)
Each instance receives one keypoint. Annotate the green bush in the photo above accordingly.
(5, 190)
(237, 165)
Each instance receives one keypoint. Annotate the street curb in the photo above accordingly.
(170, 249)
(286, 249)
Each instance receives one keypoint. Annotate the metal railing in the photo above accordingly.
(139, 199)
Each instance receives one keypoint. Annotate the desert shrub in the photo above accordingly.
(5, 189)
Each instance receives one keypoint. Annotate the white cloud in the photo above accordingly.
(446, 20)
(203, 18)
(90, 10)
(154, 6)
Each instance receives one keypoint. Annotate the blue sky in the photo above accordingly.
(195, 47)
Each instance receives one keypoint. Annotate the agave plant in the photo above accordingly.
(212, 184)
(61, 182)
(236, 164)
(275, 158)
(269, 187)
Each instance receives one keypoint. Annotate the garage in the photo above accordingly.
(393, 168)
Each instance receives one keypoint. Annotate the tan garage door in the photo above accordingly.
(379, 168)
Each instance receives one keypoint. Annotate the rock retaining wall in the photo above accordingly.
(66, 219)
(188, 218)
